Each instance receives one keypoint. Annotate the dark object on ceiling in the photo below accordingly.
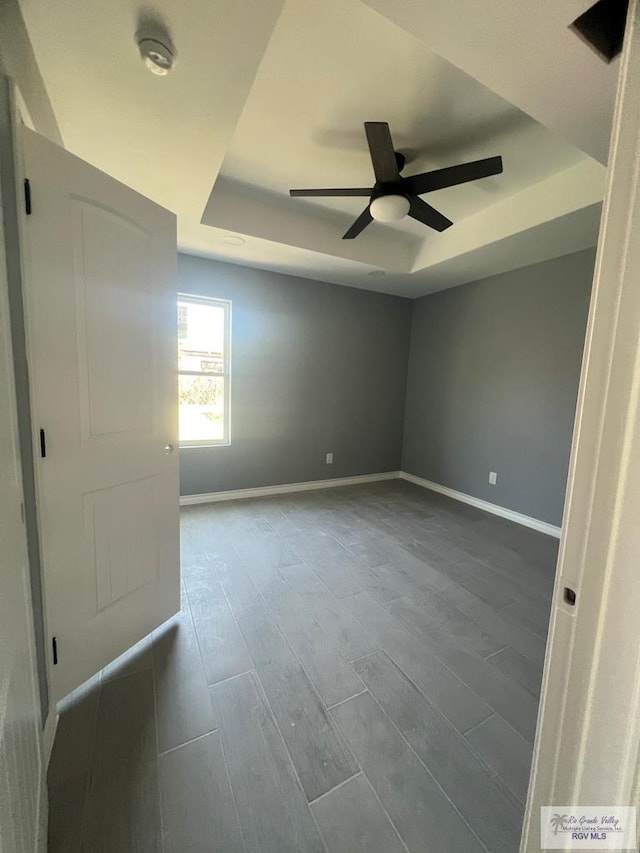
(392, 197)
(602, 27)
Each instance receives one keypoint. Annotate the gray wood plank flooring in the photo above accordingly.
(518, 667)
(199, 812)
(318, 652)
(417, 805)
(319, 756)
(125, 766)
(66, 810)
(508, 754)
(353, 669)
(485, 803)
(352, 820)
(271, 804)
(183, 705)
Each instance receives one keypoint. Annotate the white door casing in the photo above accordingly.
(587, 749)
(22, 768)
(100, 294)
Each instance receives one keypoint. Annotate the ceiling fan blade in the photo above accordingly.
(441, 178)
(428, 215)
(383, 157)
(340, 191)
(359, 225)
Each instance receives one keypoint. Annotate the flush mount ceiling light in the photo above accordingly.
(389, 208)
(156, 56)
(233, 240)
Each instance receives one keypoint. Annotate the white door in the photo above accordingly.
(100, 293)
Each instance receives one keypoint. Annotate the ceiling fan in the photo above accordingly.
(393, 197)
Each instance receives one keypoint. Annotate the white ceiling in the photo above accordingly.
(268, 95)
(527, 54)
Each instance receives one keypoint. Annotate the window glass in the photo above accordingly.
(203, 370)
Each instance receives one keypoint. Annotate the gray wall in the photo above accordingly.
(316, 368)
(492, 384)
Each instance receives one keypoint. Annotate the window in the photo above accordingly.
(203, 370)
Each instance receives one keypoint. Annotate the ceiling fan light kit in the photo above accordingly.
(389, 208)
(393, 196)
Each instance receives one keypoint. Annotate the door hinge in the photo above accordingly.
(54, 646)
(27, 196)
(43, 444)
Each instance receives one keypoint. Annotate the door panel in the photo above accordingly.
(120, 529)
(113, 397)
(100, 288)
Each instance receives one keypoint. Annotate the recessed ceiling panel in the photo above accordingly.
(329, 68)
(266, 96)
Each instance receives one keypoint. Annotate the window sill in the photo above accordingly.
(204, 444)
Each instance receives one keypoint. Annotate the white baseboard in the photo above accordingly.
(46, 746)
(503, 512)
(285, 488)
(42, 817)
(48, 736)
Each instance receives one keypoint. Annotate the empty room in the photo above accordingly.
(319, 426)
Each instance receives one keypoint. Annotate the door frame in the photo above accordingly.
(587, 748)
(12, 215)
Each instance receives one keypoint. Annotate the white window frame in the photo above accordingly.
(226, 374)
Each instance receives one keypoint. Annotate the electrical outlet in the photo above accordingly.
(493, 478)
(329, 459)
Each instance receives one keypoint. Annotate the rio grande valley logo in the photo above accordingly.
(588, 828)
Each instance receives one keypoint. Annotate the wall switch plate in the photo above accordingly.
(329, 458)
(493, 478)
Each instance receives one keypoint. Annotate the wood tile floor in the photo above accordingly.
(353, 669)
